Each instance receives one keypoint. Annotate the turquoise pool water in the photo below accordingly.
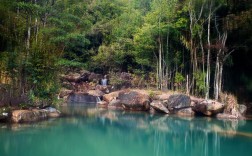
(95, 132)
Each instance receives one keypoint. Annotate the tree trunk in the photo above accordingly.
(36, 26)
(202, 52)
(28, 38)
(160, 71)
(208, 52)
(191, 48)
(219, 65)
(217, 78)
(220, 76)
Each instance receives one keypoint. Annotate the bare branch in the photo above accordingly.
(227, 55)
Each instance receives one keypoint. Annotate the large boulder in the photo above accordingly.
(208, 107)
(159, 106)
(178, 101)
(134, 100)
(80, 97)
(111, 96)
(19, 116)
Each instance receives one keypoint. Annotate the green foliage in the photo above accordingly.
(179, 78)
(152, 94)
(200, 82)
(64, 63)
(111, 35)
(117, 81)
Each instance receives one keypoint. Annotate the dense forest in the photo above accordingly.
(200, 47)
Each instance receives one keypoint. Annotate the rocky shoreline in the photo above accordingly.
(28, 115)
(159, 102)
(84, 87)
(149, 101)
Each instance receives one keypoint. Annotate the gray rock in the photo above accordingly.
(19, 116)
(178, 101)
(111, 96)
(159, 106)
(209, 107)
(134, 100)
(82, 98)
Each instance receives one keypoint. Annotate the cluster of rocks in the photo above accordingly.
(164, 103)
(167, 103)
(84, 87)
(80, 81)
(31, 115)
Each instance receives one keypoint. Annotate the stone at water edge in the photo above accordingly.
(134, 100)
(19, 116)
(208, 107)
(178, 101)
(159, 106)
(52, 112)
(80, 97)
(111, 96)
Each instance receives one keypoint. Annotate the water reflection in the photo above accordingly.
(95, 131)
(180, 136)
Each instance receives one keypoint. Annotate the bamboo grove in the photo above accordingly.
(184, 44)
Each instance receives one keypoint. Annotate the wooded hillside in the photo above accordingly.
(200, 47)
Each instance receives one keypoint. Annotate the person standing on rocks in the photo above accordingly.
(104, 81)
